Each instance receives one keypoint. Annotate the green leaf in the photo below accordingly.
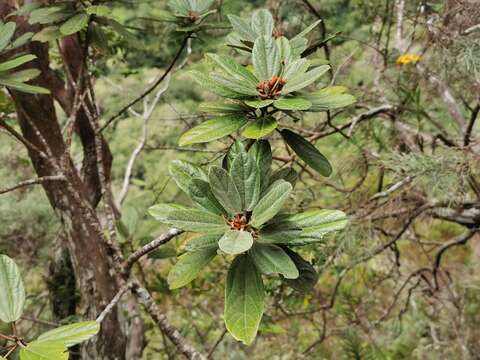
(239, 86)
(235, 149)
(287, 174)
(242, 28)
(271, 259)
(292, 103)
(201, 194)
(280, 232)
(16, 85)
(330, 98)
(260, 127)
(188, 267)
(285, 49)
(258, 104)
(183, 172)
(233, 69)
(189, 219)
(44, 350)
(50, 14)
(307, 152)
(213, 86)
(47, 34)
(307, 278)
(244, 299)
(6, 33)
(72, 334)
(296, 68)
(262, 23)
(245, 175)
(235, 242)
(266, 58)
(271, 203)
(303, 80)
(204, 242)
(307, 30)
(212, 129)
(20, 60)
(12, 294)
(75, 24)
(316, 224)
(121, 30)
(299, 45)
(221, 107)
(99, 10)
(262, 153)
(21, 40)
(225, 190)
(22, 75)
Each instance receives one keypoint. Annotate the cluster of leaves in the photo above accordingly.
(53, 344)
(67, 18)
(188, 15)
(9, 76)
(238, 214)
(256, 95)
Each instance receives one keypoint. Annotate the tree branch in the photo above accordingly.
(35, 181)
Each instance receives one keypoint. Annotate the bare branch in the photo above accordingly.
(113, 303)
(35, 181)
(151, 246)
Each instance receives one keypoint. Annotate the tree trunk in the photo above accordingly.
(75, 199)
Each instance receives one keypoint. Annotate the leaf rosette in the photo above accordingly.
(238, 213)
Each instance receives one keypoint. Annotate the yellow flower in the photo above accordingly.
(408, 59)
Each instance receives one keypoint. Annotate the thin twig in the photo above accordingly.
(113, 303)
(35, 181)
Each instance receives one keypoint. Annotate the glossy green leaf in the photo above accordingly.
(235, 242)
(47, 34)
(307, 278)
(244, 299)
(212, 129)
(12, 294)
(20, 60)
(72, 334)
(266, 58)
(6, 33)
(21, 40)
(260, 127)
(292, 103)
(296, 68)
(189, 219)
(299, 45)
(188, 267)
(245, 175)
(201, 194)
(75, 24)
(183, 172)
(330, 98)
(99, 10)
(262, 23)
(44, 350)
(225, 190)
(307, 152)
(242, 28)
(271, 259)
(271, 203)
(258, 104)
(204, 242)
(301, 81)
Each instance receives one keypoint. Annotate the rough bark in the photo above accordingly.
(73, 200)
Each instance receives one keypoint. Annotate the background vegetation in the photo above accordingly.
(400, 282)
